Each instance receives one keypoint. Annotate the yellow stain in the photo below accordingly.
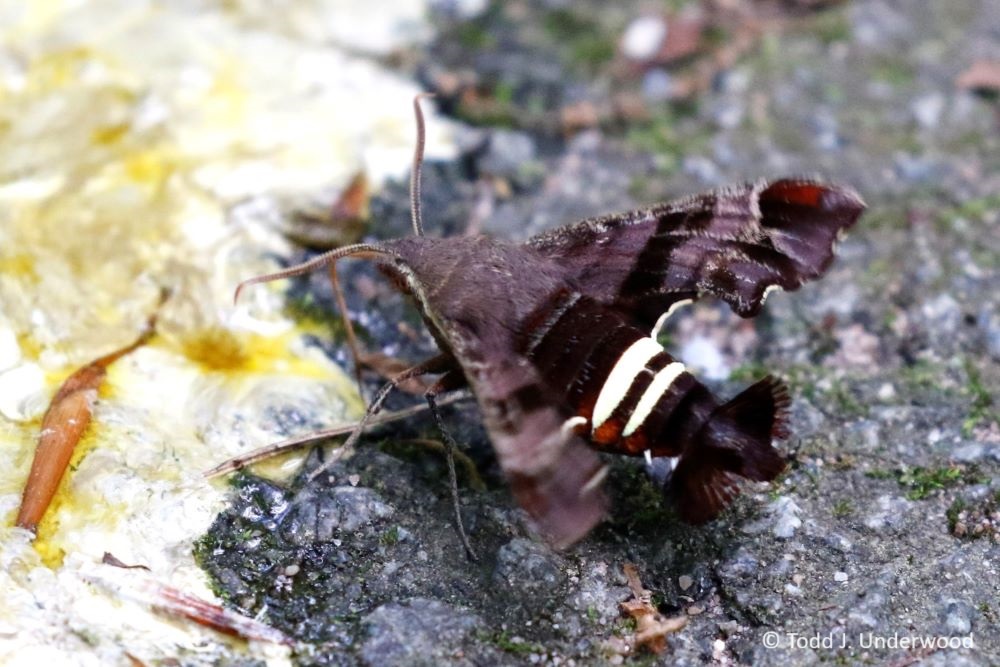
(219, 349)
(150, 167)
(30, 348)
(58, 69)
(18, 264)
(226, 102)
(108, 135)
(216, 348)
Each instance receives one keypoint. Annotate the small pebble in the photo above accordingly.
(684, 581)
(840, 576)
(886, 392)
(643, 37)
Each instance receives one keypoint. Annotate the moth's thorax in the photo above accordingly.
(480, 283)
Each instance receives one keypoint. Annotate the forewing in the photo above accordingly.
(554, 476)
(733, 243)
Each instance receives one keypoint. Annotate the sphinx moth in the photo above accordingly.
(556, 338)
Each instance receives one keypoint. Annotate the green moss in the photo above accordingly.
(639, 187)
(303, 307)
(588, 44)
(473, 35)
(493, 112)
(979, 520)
(390, 537)
(640, 507)
(956, 508)
(894, 71)
(832, 27)
(975, 215)
(645, 659)
(506, 643)
(749, 372)
(981, 409)
(843, 508)
(715, 36)
(978, 207)
(674, 6)
(922, 375)
(846, 403)
(887, 217)
(503, 93)
(923, 482)
(625, 626)
(665, 137)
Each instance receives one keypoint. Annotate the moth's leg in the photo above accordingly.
(352, 339)
(449, 382)
(437, 364)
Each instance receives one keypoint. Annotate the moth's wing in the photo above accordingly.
(732, 243)
(553, 474)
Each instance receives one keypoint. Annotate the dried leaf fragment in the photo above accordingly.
(172, 601)
(652, 627)
(982, 75)
(353, 201)
(342, 223)
(63, 425)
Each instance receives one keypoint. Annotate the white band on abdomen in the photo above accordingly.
(632, 362)
(661, 382)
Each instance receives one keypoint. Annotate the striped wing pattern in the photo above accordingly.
(732, 243)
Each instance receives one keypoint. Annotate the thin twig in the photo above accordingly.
(432, 365)
(277, 448)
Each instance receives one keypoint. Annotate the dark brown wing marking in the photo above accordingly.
(732, 243)
(554, 476)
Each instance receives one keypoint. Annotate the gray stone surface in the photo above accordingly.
(892, 361)
(418, 632)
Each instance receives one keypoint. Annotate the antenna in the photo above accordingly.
(418, 163)
(358, 249)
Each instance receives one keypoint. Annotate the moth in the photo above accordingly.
(557, 338)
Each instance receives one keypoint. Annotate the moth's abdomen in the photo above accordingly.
(646, 392)
(629, 396)
(631, 393)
